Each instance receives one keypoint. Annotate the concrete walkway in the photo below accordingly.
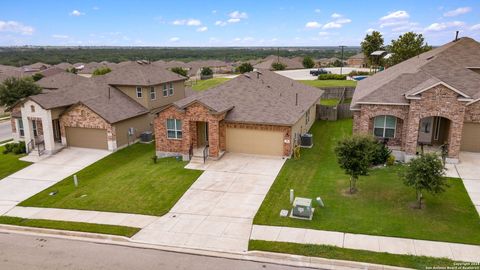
(469, 170)
(27, 182)
(108, 218)
(460, 252)
(217, 212)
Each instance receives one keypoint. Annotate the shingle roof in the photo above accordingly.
(133, 73)
(60, 80)
(269, 60)
(266, 98)
(447, 64)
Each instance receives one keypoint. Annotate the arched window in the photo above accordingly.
(384, 126)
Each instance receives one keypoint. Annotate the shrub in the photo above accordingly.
(71, 70)
(101, 71)
(16, 148)
(179, 71)
(37, 76)
(278, 66)
(390, 160)
(244, 68)
(359, 73)
(380, 154)
(332, 77)
(308, 62)
(206, 71)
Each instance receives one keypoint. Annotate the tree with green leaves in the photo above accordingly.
(278, 66)
(407, 46)
(354, 155)
(308, 62)
(13, 89)
(101, 71)
(206, 71)
(245, 67)
(37, 76)
(372, 42)
(71, 70)
(179, 71)
(425, 173)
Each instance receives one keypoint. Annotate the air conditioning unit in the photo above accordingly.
(306, 140)
(146, 136)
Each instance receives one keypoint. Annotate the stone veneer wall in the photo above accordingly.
(472, 112)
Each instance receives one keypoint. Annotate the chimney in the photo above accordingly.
(456, 36)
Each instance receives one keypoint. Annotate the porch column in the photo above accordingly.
(411, 137)
(48, 132)
(454, 139)
(27, 128)
(214, 138)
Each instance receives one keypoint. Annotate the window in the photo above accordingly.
(384, 126)
(170, 90)
(20, 128)
(307, 117)
(165, 90)
(139, 92)
(32, 108)
(153, 94)
(174, 129)
(34, 127)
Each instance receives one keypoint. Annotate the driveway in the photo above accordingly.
(5, 130)
(217, 212)
(304, 74)
(469, 170)
(27, 182)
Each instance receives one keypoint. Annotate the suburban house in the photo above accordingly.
(259, 113)
(103, 112)
(430, 100)
(289, 63)
(358, 60)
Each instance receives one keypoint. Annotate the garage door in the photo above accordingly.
(87, 137)
(470, 137)
(258, 142)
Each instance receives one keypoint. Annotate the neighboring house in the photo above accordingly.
(269, 60)
(217, 66)
(325, 62)
(256, 113)
(430, 99)
(87, 70)
(358, 60)
(36, 67)
(103, 112)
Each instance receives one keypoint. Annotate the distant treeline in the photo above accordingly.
(20, 56)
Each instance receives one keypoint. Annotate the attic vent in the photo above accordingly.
(246, 75)
(431, 57)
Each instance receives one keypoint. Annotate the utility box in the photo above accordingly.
(302, 208)
(306, 140)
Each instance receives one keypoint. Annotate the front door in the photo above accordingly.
(56, 130)
(426, 130)
(202, 134)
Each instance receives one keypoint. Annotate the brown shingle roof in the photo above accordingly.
(268, 98)
(60, 80)
(447, 64)
(269, 60)
(133, 73)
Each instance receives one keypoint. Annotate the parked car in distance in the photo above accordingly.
(316, 72)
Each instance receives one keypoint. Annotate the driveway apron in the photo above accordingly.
(469, 170)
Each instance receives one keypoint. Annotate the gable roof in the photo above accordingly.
(447, 64)
(60, 80)
(143, 74)
(258, 98)
(269, 60)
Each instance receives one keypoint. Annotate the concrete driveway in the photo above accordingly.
(5, 130)
(304, 74)
(29, 181)
(469, 170)
(217, 212)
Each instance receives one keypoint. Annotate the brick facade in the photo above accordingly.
(438, 101)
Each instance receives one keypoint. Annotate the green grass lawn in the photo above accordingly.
(331, 252)
(206, 84)
(10, 163)
(329, 101)
(126, 181)
(381, 207)
(70, 226)
(329, 83)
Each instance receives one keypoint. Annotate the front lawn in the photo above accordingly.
(10, 163)
(202, 85)
(381, 207)
(126, 181)
(329, 83)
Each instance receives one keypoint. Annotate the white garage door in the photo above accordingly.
(251, 141)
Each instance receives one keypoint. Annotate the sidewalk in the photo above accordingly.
(107, 218)
(459, 252)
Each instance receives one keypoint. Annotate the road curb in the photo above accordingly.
(254, 256)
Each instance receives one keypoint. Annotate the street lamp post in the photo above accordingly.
(341, 66)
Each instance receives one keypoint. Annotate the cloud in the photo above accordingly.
(220, 23)
(16, 27)
(238, 15)
(76, 13)
(337, 23)
(395, 16)
(174, 39)
(187, 22)
(57, 36)
(336, 15)
(458, 11)
(343, 21)
(322, 34)
(233, 20)
(475, 27)
(313, 25)
(95, 8)
(214, 11)
(435, 27)
(370, 30)
(202, 29)
(317, 10)
(332, 25)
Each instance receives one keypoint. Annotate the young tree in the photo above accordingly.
(425, 173)
(372, 42)
(308, 62)
(278, 66)
(354, 154)
(407, 46)
(13, 89)
(179, 71)
(245, 67)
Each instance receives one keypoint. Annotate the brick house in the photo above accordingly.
(259, 113)
(429, 100)
(358, 60)
(103, 112)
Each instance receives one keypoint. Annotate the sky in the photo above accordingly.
(231, 23)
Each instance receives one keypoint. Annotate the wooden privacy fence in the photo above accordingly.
(340, 110)
(338, 92)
